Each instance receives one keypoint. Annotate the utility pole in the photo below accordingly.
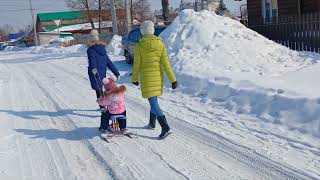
(114, 18)
(99, 14)
(128, 12)
(165, 10)
(34, 25)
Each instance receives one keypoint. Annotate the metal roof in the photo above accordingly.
(69, 15)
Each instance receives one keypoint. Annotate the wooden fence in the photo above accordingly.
(298, 32)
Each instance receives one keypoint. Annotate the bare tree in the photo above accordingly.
(7, 28)
(84, 5)
(165, 10)
(141, 10)
(222, 8)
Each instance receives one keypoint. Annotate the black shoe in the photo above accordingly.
(165, 129)
(152, 121)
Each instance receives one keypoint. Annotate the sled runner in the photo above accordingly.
(114, 129)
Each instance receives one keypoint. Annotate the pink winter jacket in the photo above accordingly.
(114, 103)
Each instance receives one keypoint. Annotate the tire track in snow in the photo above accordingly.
(267, 167)
(171, 166)
(47, 147)
(75, 74)
(53, 168)
(135, 169)
(243, 152)
(70, 125)
(17, 141)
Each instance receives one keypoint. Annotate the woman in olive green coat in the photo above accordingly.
(150, 60)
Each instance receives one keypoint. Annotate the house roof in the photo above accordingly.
(85, 26)
(68, 15)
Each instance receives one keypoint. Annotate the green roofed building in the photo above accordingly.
(45, 21)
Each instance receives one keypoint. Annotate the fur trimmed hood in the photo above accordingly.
(117, 90)
(95, 43)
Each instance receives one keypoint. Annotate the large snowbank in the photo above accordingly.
(220, 60)
(115, 46)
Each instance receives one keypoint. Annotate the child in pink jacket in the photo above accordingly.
(114, 102)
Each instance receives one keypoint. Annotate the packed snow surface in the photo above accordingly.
(220, 60)
(49, 121)
(235, 120)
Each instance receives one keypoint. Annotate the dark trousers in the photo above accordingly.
(122, 121)
(99, 94)
(106, 116)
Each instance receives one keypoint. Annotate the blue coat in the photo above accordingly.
(98, 58)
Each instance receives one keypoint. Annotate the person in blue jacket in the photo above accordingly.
(98, 61)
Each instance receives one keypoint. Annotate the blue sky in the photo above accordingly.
(14, 11)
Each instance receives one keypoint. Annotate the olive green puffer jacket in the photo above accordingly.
(150, 59)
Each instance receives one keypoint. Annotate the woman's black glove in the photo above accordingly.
(135, 83)
(174, 85)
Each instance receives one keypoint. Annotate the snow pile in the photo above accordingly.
(221, 45)
(115, 46)
(218, 59)
(14, 48)
(80, 48)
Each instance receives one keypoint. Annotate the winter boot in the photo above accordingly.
(165, 129)
(152, 120)
(104, 122)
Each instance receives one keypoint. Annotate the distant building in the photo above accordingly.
(158, 15)
(45, 21)
(74, 23)
(273, 8)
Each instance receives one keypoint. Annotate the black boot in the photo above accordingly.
(104, 122)
(152, 120)
(165, 129)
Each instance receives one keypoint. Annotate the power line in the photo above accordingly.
(34, 24)
(15, 10)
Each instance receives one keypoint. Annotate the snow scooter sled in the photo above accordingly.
(114, 130)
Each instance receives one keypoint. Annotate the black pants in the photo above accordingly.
(106, 116)
(99, 94)
(122, 121)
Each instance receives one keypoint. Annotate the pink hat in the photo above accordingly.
(109, 83)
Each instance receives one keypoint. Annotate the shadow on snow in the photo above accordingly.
(60, 113)
(54, 134)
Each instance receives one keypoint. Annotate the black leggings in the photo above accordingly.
(106, 116)
(99, 94)
(122, 121)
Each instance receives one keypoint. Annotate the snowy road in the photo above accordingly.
(49, 131)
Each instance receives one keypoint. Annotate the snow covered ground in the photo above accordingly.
(245, 109)
(244, 71)
(49, 130)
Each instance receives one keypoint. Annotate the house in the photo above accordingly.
(45, 21)
(292, 23)
(75, 23)
(269, 9)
